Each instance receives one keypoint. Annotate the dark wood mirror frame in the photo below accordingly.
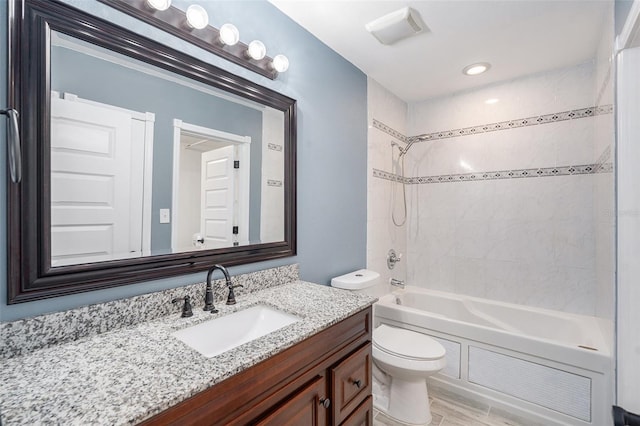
(30, 275)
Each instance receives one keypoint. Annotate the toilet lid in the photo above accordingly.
(407, 343)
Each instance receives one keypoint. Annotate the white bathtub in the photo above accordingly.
(547, 366)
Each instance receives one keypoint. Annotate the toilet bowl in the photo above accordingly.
(408, 358)
(403, 357)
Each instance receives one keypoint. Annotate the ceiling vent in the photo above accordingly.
(396, 26)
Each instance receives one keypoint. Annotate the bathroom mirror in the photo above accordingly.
(139, 162)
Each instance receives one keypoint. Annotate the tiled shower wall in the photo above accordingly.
(382, 234)
(511, 201)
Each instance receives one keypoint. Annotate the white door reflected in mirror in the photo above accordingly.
(97, 181)
(211, 187)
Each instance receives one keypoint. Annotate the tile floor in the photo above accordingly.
(448, 409)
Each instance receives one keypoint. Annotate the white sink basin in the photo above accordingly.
(219, 335)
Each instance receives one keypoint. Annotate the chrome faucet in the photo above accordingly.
(396, 282)
(208, 296)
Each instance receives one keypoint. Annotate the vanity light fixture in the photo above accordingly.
(256, 50)
(229, 35)
(280, 63)
(475, 69)
(159, 4)
(224, 42)
(197, 17)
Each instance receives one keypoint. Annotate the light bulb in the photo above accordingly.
(256, 50)
(229, 34)
(280, 63)
(159, 4)
(197, 17)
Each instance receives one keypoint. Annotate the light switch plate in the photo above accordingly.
(165, 216)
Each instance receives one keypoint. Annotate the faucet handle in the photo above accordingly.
(186, 308)
(393, 258)
(231, 299)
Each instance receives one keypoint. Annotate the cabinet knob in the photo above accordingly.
(325, 402)
(358, 383)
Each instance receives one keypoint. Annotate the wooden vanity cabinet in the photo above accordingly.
(323, 380)
(304, 407)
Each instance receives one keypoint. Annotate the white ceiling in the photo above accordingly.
(518, 37)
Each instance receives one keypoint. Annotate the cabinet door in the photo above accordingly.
(304, 408)
(362, 416)
(350, 383)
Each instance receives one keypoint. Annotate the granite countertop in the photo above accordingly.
(128, 375)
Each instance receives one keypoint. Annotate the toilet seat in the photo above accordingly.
(407, 344)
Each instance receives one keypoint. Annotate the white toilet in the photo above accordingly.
(404, 359)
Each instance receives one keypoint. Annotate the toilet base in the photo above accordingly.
(408, 401)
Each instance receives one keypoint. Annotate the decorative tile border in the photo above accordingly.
(602, 161)
(388, 176)
(584, 169)
(274, 147)
(512, 124)
(388, 130)
(273, 182)
(502, 125)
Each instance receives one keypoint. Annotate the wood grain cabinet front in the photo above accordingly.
(308, 407)
(361, 416)
(351, 383)
(323, 380)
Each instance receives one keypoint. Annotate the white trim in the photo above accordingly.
(147, 189)
(136, 115)
(177, 126)
(631, 30)
(628, 223)
(212, 133)
(244, 182)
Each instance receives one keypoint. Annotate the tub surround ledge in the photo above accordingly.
(129, 374)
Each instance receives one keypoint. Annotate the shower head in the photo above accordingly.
(404, 150)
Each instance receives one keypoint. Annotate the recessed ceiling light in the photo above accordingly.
(492, 101)
(475, 69)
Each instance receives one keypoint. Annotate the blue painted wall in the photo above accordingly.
(332, 146)
(621, 12)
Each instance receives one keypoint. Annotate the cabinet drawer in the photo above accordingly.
(362, 416)
(351, 383)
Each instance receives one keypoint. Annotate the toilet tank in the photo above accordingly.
(360, 281)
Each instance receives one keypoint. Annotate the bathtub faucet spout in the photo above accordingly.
(396, 283)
